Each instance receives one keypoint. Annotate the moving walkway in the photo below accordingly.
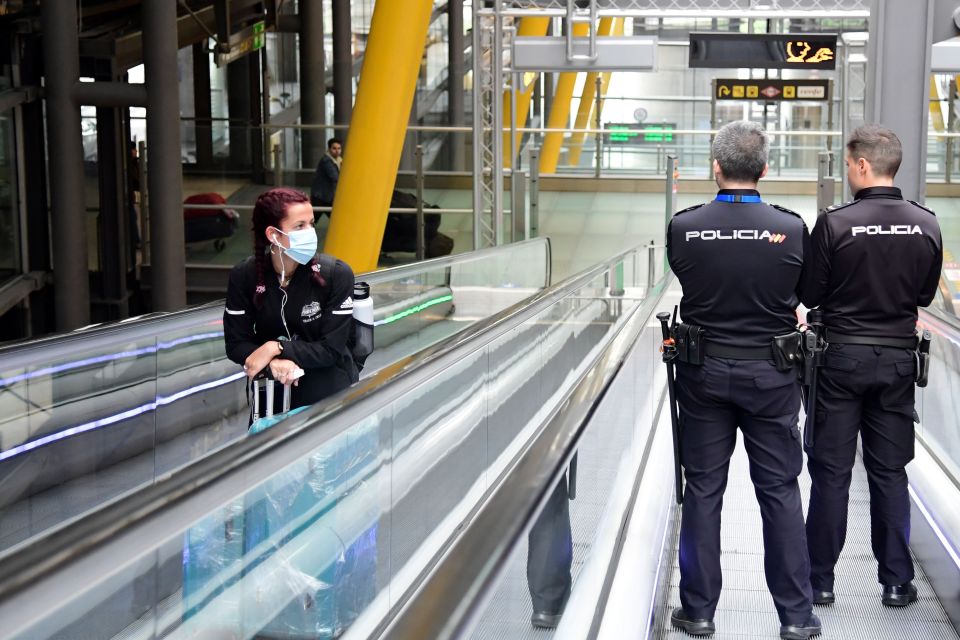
(400, 508)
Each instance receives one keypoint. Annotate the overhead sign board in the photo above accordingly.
(251, 39)
(763, 50)
(614, 53)
(772, 90)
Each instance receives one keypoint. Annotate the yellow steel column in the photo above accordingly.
(575, 144)
(560, 112)
(388, 80)
(528, 27)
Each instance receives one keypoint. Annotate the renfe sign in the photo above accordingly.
(772, 90)
(763, 50)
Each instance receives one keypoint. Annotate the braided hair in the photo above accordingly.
(269, 211)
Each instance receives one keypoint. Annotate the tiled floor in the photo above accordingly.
(746, 608)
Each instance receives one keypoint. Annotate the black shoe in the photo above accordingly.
(899, 596)
(823, 597)
(692, 626)
(803, 631)
(544, 620)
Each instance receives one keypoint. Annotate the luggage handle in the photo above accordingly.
(264, 380)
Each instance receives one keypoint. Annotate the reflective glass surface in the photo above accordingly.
(939, 402)
(87, 417)
(570, 540)
(338, 537)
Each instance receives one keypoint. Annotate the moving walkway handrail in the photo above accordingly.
(131, 329)
(449, 599)
(62, 558)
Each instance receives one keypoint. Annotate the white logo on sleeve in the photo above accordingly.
(346, 308)
(890, 230)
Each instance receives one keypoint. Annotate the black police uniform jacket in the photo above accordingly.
(319, 321)
(740, 265)
(875, 260)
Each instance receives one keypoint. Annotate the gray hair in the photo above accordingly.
(741, 149)
(877, 145)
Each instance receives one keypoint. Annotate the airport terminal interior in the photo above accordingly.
(508, 172)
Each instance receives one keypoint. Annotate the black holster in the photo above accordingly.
(787, 350)
(923, 358)
(690, 343)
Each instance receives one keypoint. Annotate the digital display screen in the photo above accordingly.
(763, 51)
(638, 133)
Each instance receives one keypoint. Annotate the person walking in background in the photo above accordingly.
(325, 178)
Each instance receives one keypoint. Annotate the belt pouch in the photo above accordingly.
(786, 351)
(690, 343)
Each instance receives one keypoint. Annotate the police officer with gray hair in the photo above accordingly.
(739, 261)
(875, 260)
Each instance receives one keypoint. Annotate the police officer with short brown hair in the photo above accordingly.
(739, 261)
(875, 260)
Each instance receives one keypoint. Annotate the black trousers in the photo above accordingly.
(868, 391)
(764, 403)
(550, 553)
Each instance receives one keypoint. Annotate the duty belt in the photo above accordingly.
(738, 353)
(873, 341)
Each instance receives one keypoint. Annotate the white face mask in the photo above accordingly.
(303, 245)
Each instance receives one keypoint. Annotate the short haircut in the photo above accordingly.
(333, 141)
(877, 145)
(741, 149)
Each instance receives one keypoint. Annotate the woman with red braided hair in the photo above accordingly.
(284, 311)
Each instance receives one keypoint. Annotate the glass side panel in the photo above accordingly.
(570, 540)
(339, 536)
(939, 402)
(75, 432)
(87, 417)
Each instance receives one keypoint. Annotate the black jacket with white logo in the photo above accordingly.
(319, 321)
(739, 264)
(875, 260)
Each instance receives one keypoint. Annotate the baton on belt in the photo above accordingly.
(813, 348)
(668, 352)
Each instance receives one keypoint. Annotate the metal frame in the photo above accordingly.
(491, 38)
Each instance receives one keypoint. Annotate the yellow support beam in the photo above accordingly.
(560, 112)
(388, 80)
(583, 121)
(528, 27)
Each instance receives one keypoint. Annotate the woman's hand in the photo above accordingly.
(285, 371)
(259, 359)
